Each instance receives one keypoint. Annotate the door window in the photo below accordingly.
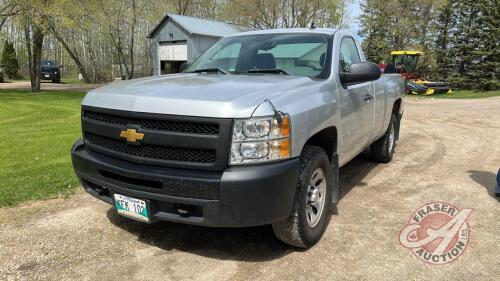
(348, 54)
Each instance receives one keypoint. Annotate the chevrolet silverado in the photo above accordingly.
(253, 132)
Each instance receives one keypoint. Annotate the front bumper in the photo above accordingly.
(49, 76)
(236, 197)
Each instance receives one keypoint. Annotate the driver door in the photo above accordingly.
(357, 106)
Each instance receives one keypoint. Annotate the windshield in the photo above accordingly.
(405, 63)
(294, 54)
(48, 63)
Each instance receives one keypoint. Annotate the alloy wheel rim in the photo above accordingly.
(391, 139)
(316, 194)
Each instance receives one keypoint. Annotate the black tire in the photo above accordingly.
(382, 150)
(295, 230)
(56, 81)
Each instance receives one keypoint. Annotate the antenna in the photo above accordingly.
(312, 25)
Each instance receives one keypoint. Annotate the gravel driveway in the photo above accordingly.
(449, 151)
(47, 85)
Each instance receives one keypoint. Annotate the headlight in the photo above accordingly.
(256, 128)
(262, 139)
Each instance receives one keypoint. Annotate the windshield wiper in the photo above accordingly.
(271, 70)
(211, 70)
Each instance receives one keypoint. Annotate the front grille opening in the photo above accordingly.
(150, 151)
(99, 189)
(132, 181)
(157, 125)
(185, 210)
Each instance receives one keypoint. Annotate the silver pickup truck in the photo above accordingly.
(253, 132)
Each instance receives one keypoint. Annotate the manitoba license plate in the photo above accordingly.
(131, 207)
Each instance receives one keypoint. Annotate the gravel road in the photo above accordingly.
(47, 85)
(449, 151)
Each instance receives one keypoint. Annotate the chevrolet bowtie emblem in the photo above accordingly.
(131, 135)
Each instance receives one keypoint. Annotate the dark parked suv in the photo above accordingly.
(51, 71)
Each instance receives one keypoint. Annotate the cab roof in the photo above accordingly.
(328, 31)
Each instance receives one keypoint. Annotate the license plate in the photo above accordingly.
(47, 76)
(131, 207)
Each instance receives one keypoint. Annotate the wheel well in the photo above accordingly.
(396, 107)
(395, 110)
(326, 139)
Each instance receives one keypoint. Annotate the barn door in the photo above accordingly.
(171, 55)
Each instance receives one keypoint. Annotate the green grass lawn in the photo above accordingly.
(462, 94)
(36, 134)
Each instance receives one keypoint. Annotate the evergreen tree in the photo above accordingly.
(374, 30)
(474, 46)
(394, 25)
(376, 48)
(442, 44)
(485, 68)
(9, 60)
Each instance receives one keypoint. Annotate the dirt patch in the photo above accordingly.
(50, 86)
(449, 151)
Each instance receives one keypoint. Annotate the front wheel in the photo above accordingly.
(311, 210)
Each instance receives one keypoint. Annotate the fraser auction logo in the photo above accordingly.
(437, 232)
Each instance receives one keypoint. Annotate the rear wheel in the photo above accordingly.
(383, 149)
(311, 210)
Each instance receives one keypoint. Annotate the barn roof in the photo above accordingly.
(200, 26)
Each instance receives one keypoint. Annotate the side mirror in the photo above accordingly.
(183, 66)
(360, 72)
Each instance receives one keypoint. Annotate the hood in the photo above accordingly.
(207, 95)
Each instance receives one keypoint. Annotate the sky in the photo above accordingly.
(354, 11)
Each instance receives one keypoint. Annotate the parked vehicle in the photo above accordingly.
(252, 133)
(50, 71)
(406, 63)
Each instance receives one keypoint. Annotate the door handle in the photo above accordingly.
(368, 97)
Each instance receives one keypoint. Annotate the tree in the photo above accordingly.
(62, 18)
(34, 35)
(376, 48)
(484, 68)
(375, 31)
(403, 24)
(474, 48)
(8, 8)
(392, 23)
(442, 44)
(103, 40)
(9, 60)
(182, 6)
(488, 67)
(121, 19)
(32, 22)
(262, 14)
